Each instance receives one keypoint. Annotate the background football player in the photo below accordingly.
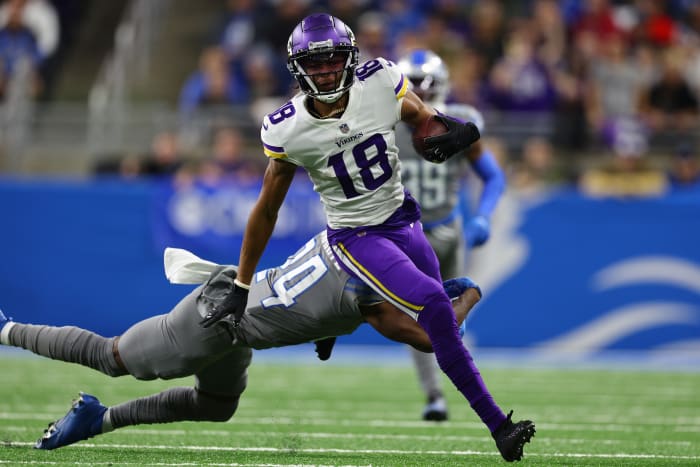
(438, 189)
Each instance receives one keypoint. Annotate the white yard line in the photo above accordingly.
(680, 425)
(370, 436)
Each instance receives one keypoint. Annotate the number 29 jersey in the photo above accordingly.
(352, 160)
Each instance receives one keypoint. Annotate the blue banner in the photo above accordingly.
(585, 275)
(211, 220)
(565, 273)
(81, 253)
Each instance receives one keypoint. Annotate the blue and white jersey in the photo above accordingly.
(353, 160)
(309, 297)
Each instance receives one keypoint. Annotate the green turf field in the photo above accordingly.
(330, 414)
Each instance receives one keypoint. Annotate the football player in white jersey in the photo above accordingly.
(438, 189)
(340, 129)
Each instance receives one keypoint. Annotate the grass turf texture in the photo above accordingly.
(326, 414)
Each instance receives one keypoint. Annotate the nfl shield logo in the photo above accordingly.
(344, 127)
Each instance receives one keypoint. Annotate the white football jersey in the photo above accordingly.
(352, 160)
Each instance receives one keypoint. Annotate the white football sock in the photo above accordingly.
(5, 333)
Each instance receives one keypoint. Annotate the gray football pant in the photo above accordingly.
(166, 346)
(448, 243)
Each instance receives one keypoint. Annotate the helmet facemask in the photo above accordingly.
(343, 73)
(425, 87)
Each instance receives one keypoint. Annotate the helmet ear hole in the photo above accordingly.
(318, 38)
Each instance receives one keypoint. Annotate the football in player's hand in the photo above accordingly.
(429, 127)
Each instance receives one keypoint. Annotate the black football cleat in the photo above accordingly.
(511, 437)
(324, 347)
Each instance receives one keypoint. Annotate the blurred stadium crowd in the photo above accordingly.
(602, 93)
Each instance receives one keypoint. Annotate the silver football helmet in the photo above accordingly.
(427, 74)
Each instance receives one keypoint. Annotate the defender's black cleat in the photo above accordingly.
(324, 347)
(511, 437)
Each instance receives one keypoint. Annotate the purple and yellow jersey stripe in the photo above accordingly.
(402, 88)
(275, 152)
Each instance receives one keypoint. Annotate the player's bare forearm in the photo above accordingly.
(414, 110)
(464, 304)
(396, 325)
(263, 216)
(257, 233)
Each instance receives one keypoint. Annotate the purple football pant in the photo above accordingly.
(399, 264)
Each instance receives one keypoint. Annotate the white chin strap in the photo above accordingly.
(330, 98)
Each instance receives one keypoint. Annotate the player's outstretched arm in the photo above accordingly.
(396, 325)
(477, 229)
(414, 111)
(263, 217)
(460, 135)
(261, 222)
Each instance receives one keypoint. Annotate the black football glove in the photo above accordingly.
(222, 296)
(459, 137)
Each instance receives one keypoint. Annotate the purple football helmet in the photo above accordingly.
(321, 38)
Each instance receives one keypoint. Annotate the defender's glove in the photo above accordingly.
(459, 137)
(222, 295)
(457, 286)
(477, 231)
